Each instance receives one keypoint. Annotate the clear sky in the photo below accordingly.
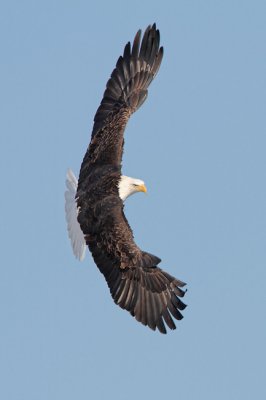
(199, 143)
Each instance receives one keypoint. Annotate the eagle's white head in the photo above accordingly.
(128, 186)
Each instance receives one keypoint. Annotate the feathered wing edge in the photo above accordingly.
(129, 81)
(125, 92)
(150, 294)
(75, 233)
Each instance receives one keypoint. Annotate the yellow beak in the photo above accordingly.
(142, 188)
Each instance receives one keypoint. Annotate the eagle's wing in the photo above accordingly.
(135, 282)
(125, 91)
(75, 233)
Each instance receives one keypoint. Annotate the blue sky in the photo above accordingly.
(199, 144)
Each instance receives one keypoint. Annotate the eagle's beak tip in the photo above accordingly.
(143, 189)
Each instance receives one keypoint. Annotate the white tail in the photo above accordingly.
(74, 232)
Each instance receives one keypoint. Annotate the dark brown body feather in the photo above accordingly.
(136, 283)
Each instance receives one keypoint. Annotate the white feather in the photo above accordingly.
(75, 233)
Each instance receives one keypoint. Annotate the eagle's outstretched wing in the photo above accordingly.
(136, 283)
(125, 91)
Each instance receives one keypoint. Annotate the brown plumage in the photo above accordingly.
(135, 282)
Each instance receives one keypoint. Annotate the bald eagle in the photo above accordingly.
(94, 204)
